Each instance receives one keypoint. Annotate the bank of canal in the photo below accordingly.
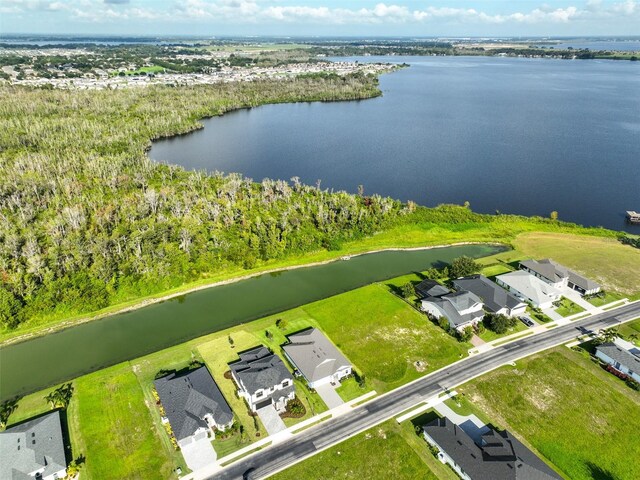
(43, 361)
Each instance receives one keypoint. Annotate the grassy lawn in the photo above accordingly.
(489, 335)
(608, 297)
(115, 430)
(573, 412)
(349, 389)
(629, 329)
(383, 336)
(379, 453)
(568, 308)
(604, 260)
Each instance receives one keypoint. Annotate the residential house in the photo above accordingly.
(495, 298)
(263, 379)
(430, 288)
(316, 358)
(498, 456)
(560, 276)
(621, 355)
(33, 449)
(529, 288)
(462, 309)
(193, 404)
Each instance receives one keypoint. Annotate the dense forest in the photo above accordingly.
(87, 220)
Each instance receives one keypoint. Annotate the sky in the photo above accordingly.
(323, 17)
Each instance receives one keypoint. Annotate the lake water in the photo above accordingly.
(525, 136)
(44, 361)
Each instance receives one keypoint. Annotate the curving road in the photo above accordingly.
(304, 444)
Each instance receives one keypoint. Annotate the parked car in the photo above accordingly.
(527, 321)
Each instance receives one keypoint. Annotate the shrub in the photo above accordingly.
(408, 290)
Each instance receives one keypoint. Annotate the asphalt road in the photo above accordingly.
(376, 411)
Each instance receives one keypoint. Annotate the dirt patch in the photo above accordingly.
(542, 397)
(420, 365)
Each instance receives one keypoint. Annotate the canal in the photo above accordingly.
(44, 361)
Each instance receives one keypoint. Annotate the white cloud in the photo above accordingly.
(270, 11)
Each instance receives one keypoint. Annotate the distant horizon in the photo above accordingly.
(313, 37)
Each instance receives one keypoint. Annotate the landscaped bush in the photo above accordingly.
(295, 409)
(499, 323)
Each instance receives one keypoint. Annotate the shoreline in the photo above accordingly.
(65, 324)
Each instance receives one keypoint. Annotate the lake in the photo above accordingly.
(525, 136)
(43, 361)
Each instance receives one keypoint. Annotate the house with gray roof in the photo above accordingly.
(498, 456)
(33, 449)
(495, 298)
(530, 288)
(193, 404)
(263, 379)
(430, 288)
(316, 358)
(622, 355)
(462, 309)
(560, 276)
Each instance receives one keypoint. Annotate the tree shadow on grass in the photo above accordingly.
(599, 473)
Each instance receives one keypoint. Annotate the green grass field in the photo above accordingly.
(383, 336)
(379, 453)
(581, 418)
(605, 260)
(114, 428)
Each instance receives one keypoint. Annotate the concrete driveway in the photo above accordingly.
(199, 453)
(329, 395)
(271, 420)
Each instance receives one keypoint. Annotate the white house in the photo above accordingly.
(621, 355)
(34, 449)
(193, 404)
(316, 358)
(462, 309)
(263, 379)
(529, 288)
(560, 276)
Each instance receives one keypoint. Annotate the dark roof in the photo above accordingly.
(32, 445)
(547, 269)
(620, 355)
(452, 304)
(259, 369)
(188, 397)
(501, 455)
(430, 288)
(493, 296)
(314, 355)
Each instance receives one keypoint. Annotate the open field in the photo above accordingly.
(574, 413)
(383, 336)
(604, 260)
(114, 428)
(379, 453)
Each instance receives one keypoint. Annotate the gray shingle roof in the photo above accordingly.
(430, 288)
(555, 272)
(314, 355)
(493, 296)
(620, 355)
(452, 304)
(502, 456)
(31, 446)
(259, 369)
(188, 397)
